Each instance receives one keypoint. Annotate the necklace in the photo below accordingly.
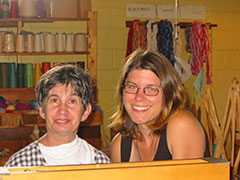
(155, 148)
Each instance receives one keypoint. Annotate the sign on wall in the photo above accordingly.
(165, 11)
(193, 12)
(141, 10)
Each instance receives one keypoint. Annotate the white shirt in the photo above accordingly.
(75, 152)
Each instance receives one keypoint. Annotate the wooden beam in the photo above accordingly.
(197, 169)
(182, 25)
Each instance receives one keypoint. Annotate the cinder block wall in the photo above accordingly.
(112, 42)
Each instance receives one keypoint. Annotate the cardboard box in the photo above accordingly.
(68, 8)
(85, 6)
(62, 8)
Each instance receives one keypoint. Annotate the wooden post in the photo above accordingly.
(92, 45)
(92, 49)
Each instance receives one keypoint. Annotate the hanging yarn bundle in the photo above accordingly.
(199, 42)
(152, 29)
(136, 37)
(165, 40)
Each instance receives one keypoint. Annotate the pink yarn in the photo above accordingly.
(22, 106)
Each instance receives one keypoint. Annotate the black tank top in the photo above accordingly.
(162, 150)
(161, 154)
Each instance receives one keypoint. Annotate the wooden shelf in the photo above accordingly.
(40, 53)
(13, 22)
(17, 89)
(42, 19)
(32, 112)
(25, 95)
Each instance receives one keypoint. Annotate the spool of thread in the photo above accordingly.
(4, 75)
(28, 75)
(12, 76)
(69, 43)
(20, 75)
(42, 35)
(64, 36)
(5, 9)
(80, 42)
(38, 73)
(60, 42)
(20, 45)
(29, 47)
(49, 43)
(14, 9)
(45, 67)
(37, 43)
(8, 44)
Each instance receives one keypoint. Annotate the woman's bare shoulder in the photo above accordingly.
(185, 136)
(183, 118)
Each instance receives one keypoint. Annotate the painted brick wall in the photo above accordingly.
(112, 40)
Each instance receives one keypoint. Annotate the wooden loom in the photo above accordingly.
(196, 169)
(217, 131)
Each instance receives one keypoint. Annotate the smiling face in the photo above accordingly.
(63, 113)
(141, 108)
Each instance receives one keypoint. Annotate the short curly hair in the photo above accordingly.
(80, 81)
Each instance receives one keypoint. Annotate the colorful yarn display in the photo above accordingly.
(151, 36)
(9, 107)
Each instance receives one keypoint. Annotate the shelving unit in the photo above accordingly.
(27, 94)
(91, 53)
(92, 39)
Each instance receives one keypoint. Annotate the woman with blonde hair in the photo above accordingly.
(150, 116)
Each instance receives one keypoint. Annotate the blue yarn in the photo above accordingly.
(2, 100)
(33, 104)
(165, 40)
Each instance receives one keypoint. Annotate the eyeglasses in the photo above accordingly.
(148, 91)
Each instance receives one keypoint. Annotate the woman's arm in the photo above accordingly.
(185, 137)
(115, 148)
